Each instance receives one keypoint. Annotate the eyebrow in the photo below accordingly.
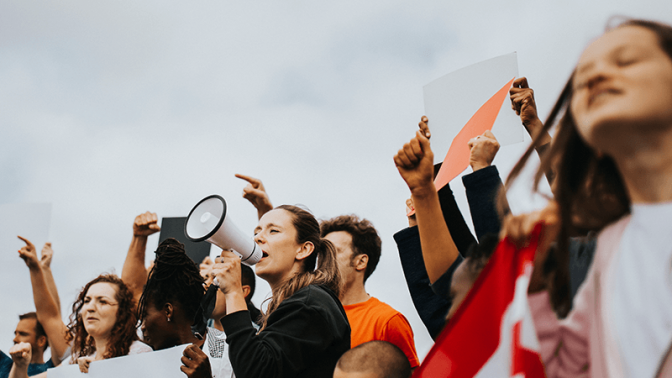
(258, 228)
(98, 297)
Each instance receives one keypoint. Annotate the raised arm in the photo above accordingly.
(483, 185)
(134, 272)
(47, 311)
(21, 354)
(256, 194)
(46, 256)
(522, 102)
(415, 165)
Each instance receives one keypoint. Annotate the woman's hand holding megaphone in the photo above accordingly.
(227, 271)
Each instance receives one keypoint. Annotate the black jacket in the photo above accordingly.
(304, 337)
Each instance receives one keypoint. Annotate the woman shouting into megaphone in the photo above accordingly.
(304, 330)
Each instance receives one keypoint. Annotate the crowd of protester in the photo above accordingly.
(600, 293)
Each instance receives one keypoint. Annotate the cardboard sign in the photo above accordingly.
(163, 363)
(463, 104)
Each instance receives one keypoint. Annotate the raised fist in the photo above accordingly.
(21, 353)
(483, 150)
(415, 161)
(145, 224)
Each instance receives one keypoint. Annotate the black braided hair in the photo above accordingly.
(174, 278)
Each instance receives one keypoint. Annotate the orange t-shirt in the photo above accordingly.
(375, 320)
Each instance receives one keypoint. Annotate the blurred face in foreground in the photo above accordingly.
(623, 88)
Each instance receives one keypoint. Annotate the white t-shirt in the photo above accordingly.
(641, 303)
(217, 350)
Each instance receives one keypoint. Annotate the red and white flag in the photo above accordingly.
(492, 333)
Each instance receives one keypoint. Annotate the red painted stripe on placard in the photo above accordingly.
(457, 158)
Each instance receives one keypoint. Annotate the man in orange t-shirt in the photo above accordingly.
(358, 251)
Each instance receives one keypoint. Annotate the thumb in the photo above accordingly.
(251, 192)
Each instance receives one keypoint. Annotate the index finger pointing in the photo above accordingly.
(28, 243)
(249, 179)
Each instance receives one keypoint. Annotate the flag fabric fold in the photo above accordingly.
(492, 333)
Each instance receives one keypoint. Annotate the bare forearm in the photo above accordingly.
(134, 273)
(45, 305)
(51, 284)
(438, 249)
(48, 313)
(19, 372)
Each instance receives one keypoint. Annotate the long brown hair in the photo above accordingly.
(123, 333)
(588, 186)
(320, 268)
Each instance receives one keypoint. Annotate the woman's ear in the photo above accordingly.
(169, 311)
(306, 250)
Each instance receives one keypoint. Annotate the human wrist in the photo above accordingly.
(235, 301)
(423, 190)
(533, 125)
(478, 165)
(34, 266)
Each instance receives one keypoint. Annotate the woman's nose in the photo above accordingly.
(600, 72)
(258, 239)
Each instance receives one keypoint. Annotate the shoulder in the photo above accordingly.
(392, 318)
(312, 295)
(608, 241)
(312, 299)
(382, 308)
(138, 347)
(5, 364)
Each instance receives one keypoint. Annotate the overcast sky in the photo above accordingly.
(110, 109)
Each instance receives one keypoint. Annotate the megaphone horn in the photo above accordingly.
(208, 220)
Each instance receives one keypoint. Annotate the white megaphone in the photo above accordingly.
(208, 221)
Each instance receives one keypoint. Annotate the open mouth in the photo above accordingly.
(264, 254)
